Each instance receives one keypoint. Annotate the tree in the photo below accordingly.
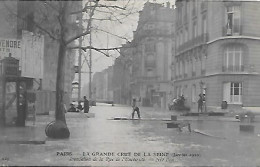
(57, 20)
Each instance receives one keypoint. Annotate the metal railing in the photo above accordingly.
(232, 68)
(197, 41)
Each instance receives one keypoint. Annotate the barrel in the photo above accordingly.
(57, 129)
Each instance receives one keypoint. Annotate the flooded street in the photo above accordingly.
(102, 141)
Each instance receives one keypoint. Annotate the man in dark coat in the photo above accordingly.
(135, 109)
(200, 103)
(86, 105)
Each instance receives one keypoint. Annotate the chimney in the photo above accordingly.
(168, 4)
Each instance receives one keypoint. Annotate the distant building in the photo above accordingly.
(217, 46)
(102, 85)
(122, 75)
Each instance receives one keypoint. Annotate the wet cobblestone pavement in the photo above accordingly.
(99, 141)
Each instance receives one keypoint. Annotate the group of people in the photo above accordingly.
(79, 108)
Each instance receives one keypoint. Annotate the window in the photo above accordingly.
(180, 67)
(194, 6)
(186, 68)
(183, 66)
(233, 20)
(186, 35)
(193, 93)
(193, 67)
(181, 38)
(204, 25)
(177, 40)
(203, 63)
(177, 91)
(149, 72)
(150, 47)
(180, 14)
(232, 92)
(181, 91)
(177, 69)
(195, 30)
(233, 61)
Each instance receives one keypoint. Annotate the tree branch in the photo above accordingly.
(113, 34)
(101, 50)
(34, 23)
(98, 6)
(77, 36)
(88, 31)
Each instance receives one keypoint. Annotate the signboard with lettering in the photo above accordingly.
(32, 55)
(12, 46)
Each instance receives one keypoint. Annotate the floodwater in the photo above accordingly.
(100, 141)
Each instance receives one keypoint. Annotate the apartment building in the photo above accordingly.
(217, 47)
(152, 55)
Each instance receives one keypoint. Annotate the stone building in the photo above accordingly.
(123, 75)
(217, 46)
(152, 55)
(102, 85)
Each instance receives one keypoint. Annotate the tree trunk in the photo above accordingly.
(59, 114)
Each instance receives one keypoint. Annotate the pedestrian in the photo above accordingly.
(79, 107)
(135, 109)
(72, 108)
(200, 103)
(86, 105)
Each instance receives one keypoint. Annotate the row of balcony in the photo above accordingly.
(233, 68)
(197, 41)
(156, 32)
(224, 69)
(193, 74)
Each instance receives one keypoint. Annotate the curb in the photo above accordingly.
(34, 142)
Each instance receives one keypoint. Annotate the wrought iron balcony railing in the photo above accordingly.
(199, 40)
(233, 68)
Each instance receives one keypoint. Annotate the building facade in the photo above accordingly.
(152, 55)
(102, 85)
(123, 75)
(34, 17)
(217, 46)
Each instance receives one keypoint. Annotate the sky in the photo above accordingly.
(106, 40)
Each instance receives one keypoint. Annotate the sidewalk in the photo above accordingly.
(23, 135)
(30, 134)
(33, 133)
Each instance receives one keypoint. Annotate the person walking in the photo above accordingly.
(86, 105)
(135, 109)
(200, 103)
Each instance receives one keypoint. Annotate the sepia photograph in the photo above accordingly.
(130, 83)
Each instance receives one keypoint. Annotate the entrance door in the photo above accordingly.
(10, 103)
(226, 92)
(232, 92)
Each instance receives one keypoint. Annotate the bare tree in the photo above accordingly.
(57, 20)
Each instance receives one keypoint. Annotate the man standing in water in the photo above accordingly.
(86, 105)
(135, 109)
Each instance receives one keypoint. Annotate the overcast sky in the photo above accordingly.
(104, 40)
